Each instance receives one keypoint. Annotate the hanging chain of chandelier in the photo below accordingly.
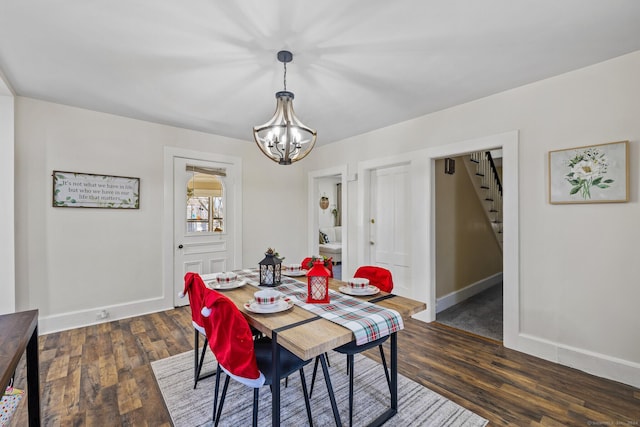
(284, 138)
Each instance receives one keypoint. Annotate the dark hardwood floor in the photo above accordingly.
(101, 375)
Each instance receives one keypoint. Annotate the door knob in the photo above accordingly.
(371, 242)
(180, 246)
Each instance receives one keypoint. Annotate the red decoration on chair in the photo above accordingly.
(195, 288)
(378, 277)
(318, 284)
(230, 337)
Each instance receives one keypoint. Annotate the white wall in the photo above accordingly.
(7, 251)
(71, 263)
(327, 186)
(578, 271)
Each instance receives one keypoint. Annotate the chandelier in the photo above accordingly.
(284, 138)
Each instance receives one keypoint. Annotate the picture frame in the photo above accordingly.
(590, 174)
(87, 190)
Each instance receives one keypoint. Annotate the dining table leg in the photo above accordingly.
(332, 397)
(394, 372)
(33, 380)
(275, 381)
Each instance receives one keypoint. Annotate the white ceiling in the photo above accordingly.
(358, 65)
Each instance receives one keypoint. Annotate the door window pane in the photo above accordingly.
(205, 203)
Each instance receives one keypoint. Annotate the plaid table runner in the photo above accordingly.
(367, 321)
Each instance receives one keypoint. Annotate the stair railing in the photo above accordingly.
(490, 182)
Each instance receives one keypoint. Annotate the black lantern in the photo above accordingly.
(270, 269)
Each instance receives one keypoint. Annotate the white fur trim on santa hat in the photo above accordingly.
(250, 382)
(206, 311)
(199, 328)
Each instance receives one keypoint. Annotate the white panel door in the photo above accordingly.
(200, 251)
(390, 236)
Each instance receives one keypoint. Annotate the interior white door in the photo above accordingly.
(389, 233)
(197, 246)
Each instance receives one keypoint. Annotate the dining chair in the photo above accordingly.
(380, 278)
(195, 288)
(242, 358)
(350, 350)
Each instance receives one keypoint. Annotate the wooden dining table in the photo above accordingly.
(19, 334)
(308, 335)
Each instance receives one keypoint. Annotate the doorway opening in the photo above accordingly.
(328, 217)
(508, 142)
(468, 218)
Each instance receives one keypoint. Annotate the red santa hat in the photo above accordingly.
(194, 287)
(230, 339)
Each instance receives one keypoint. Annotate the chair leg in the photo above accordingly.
(216, 390)
(199, 367)
(256, 392)
(196, 345)
(224, 394)
(306, 396)
(384, 363)
(313, 377)
(350, 365)
(327, 356)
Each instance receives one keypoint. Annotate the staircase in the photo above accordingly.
(486, 181)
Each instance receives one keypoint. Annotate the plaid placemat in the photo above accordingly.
(367, 321)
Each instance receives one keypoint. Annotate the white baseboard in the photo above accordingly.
(597, 364)
(80, 318)
(423, 316)
(460, 295)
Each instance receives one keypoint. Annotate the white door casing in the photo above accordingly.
(508, 141)
(7, 210)
(422, 222)
(313, 221)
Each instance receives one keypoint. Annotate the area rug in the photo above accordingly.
(418, 406)
(9, 403)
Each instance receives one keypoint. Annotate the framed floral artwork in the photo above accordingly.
(590, 174)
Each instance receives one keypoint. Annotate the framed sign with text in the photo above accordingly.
(86, 190)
